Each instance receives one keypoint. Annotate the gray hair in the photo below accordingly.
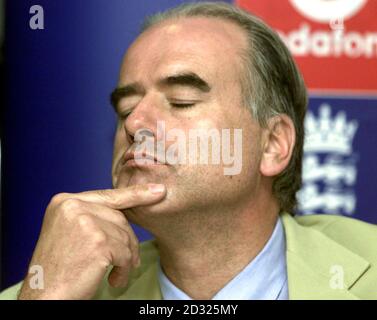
(271, 84)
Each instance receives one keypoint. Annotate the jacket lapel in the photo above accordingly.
(317, 264)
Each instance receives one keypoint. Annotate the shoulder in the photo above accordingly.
(11, 293)
(358, 236)
(334, 224)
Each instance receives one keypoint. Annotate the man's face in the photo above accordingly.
(186, 73)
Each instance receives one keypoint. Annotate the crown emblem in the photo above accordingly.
(327, 134)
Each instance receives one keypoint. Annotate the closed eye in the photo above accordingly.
(124, 115)
(182, 105)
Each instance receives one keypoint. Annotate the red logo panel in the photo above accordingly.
(333, 41)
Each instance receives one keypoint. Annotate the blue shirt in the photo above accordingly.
(264, 278)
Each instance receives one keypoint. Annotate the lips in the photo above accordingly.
(140, 158)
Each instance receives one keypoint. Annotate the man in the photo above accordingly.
(206, 66)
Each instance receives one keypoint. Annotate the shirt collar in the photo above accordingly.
(265, 277)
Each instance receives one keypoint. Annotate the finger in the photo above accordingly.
(124, 198)
(118, 276)
(121, 255)
(103, 212)
(123, 235)
(134, 243)
(121, 260)
(118, 218)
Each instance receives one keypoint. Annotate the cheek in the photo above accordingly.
(252, 150)
(192, 122)
(119, 146)
(119, 139)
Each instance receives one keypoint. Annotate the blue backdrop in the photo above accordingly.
(58, 124)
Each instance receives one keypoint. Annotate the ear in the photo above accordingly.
(278, 140)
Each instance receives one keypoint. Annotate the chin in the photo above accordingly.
(164, 208)
(139, 177)
(151, 217)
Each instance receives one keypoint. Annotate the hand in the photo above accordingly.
(82, 235)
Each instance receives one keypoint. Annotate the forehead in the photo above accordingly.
(208, 46)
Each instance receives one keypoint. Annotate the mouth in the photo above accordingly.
(133, 159)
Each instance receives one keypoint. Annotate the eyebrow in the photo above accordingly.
(188, 79)
(123, 92)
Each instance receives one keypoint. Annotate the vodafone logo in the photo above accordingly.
(334, 42)
(325, 11)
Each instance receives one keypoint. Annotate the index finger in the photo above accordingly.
(124, 198)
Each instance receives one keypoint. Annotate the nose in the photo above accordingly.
(143, 117)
